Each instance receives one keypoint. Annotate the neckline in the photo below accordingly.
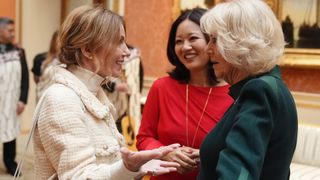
(200, 119)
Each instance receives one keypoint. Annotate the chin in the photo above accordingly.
(116, 74)
(218, 75)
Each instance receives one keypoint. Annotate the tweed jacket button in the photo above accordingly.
(105, 147)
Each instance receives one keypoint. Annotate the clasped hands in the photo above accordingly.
(187, 157)
(148, 161)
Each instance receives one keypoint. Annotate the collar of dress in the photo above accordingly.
(97, 104)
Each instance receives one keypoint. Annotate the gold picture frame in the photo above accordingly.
(293, 57)
(298, 57)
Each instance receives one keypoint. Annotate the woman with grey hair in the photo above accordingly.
(257, 136)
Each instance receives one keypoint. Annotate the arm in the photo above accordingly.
(24, 78)
(147, 137)
(247, 141)
(64, 136)
(148, 133)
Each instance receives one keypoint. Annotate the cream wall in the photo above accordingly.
(39, 18)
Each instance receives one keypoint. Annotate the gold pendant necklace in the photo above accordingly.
(187, 116)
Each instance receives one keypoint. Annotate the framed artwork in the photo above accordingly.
(300, 22)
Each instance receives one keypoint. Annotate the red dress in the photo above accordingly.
(164, 117)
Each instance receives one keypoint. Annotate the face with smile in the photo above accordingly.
(111, 63)
(190, 46)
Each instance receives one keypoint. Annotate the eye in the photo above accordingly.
(192, 38)
(178, 41)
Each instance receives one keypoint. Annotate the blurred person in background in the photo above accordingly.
(42, 65)
(14, 86)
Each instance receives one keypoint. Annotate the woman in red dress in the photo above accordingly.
(184, 106)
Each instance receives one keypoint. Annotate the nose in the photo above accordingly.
(126, 51)
(186, 45)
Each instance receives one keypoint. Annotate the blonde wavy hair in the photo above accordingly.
(248, 35)
(92, 27)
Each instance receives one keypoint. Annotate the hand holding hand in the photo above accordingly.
(184, 158)
(134, 160)
(191, 153)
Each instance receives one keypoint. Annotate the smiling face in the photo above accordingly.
(190, 46)
(111, 63)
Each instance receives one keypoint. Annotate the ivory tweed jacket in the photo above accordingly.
(76, 136)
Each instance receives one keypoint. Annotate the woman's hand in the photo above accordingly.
(134, 160)
(192, 153)
(157, 167)
(185, 156)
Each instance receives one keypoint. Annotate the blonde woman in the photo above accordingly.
(75, 136)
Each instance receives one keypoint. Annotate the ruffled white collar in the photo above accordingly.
(90, 79)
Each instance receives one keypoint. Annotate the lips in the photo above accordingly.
(189, 56)
(120, 62)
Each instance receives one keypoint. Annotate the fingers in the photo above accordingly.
(187, 162)
(125, 152)
(174, 146)
(160, 152)
(167, 164)
(191, 152)
(167, 149)
(157, 167)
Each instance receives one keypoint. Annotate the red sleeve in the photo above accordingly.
(147, 137)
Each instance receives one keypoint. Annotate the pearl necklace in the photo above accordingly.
(187, 116)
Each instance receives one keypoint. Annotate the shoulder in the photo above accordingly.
(19, 49)
(266, 83)
(164, 82)
(60, 95)
(261, 89)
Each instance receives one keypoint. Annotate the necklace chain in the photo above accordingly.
(187, 116)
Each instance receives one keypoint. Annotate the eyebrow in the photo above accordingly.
(194, 32)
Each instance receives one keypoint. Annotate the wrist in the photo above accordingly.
(130, 168)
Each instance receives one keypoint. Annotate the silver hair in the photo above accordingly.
(248, 35)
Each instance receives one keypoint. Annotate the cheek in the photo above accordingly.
(176, 50)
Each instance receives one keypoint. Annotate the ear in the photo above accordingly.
(87, 52)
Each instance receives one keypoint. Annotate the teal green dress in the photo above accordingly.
(256, 137)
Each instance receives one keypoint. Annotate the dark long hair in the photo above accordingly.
(180, 72)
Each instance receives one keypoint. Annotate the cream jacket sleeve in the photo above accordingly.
(62, 135)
